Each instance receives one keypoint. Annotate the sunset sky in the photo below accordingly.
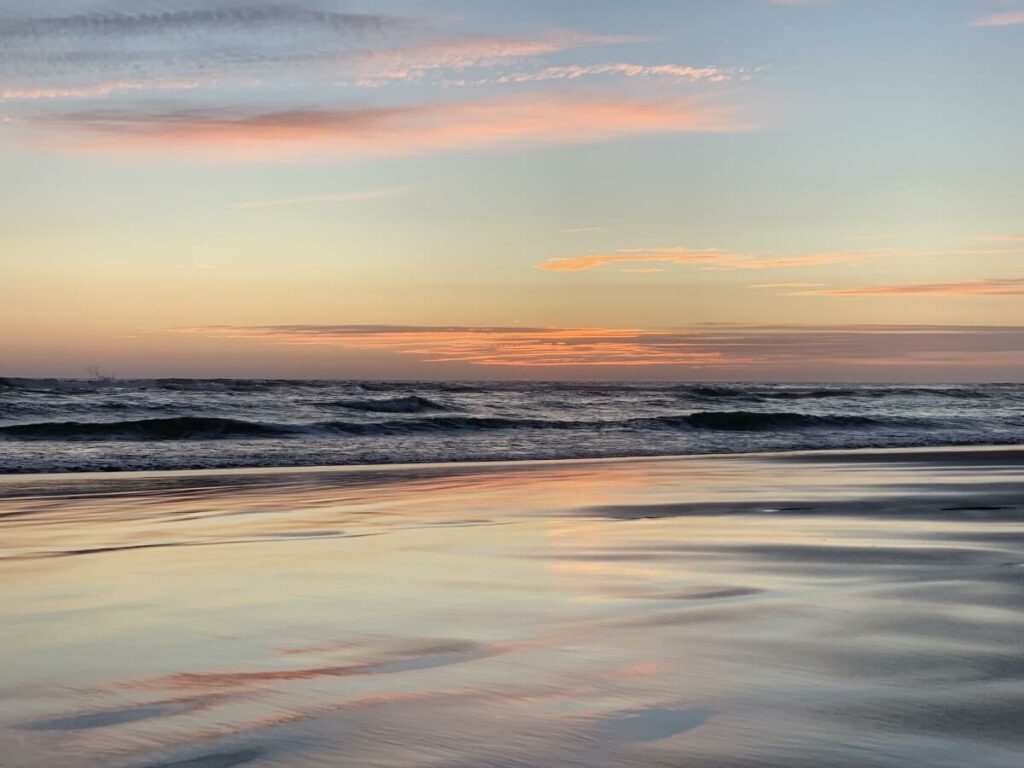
(585, 189)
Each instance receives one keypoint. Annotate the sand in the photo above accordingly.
(844, 610)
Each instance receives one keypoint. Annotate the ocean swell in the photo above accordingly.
(211, 428)
(752, 421)
(174, 428)
(409, 404)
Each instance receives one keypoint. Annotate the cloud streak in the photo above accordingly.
(708, 346)
(94, 54)
(205, 21)
(672, 72)
(724, 260)
(996, 287)
(460, 52)
(97, 90)
(706, 258)
(524, 119)
(496, 346)
(185, 40)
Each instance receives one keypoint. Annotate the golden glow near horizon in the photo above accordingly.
(492, 190)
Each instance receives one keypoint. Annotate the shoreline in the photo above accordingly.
(993, 451)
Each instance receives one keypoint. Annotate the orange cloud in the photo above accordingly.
(492, 345)
(708, 258)
(1013, 286)
(722, 347)
(538, 118)
(721, 259)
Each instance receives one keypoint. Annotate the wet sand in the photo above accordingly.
(847, 610)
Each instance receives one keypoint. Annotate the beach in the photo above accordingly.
(852, 609)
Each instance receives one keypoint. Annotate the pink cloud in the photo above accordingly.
(412, 62)
(1003, 19)
(525, 119)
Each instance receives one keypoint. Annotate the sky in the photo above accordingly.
(545, 189)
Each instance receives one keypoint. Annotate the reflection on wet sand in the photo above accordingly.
(845, 610)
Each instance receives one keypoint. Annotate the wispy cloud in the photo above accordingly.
(98, 53)
(722, 259)
(675, 72)
(171, 20)
(522, 119)
(338, 197)
(1002, 19)
(169, 39)
(996, 287)
(718, 346)
(1016, 238)
(98, 89)
(706, 258)
(455, 53)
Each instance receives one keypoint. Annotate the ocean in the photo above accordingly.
(75, 425)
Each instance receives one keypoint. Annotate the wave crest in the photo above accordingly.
(174, 428)
(750, 421)
(409, 404)
(210, 428)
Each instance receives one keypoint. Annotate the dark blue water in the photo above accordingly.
(58, 425)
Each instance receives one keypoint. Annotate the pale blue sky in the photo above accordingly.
(174, 164)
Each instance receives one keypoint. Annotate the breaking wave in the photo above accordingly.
(208, 428)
